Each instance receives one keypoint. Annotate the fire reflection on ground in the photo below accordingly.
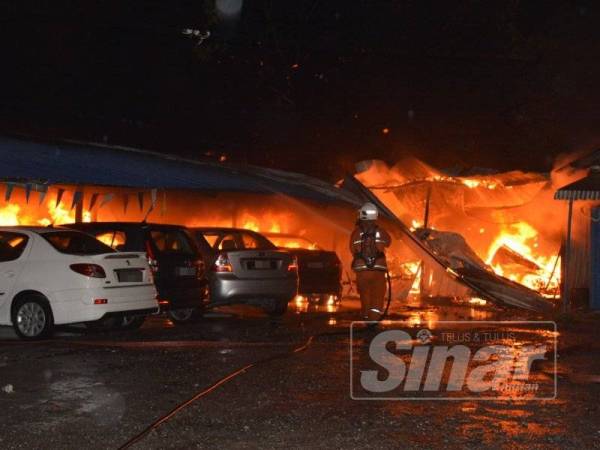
(303, 304)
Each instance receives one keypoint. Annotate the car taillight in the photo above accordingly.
(152, 261)
(293, 267)
(89, 270)
(222, 264)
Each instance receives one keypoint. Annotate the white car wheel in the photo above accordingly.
(32, 319)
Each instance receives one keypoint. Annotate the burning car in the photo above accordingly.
(319, 271)
(245, 267)
(56, 276)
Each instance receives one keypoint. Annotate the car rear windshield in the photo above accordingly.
(255, 241)
(173, 241)
(74, 243)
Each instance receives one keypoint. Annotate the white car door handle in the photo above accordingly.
(9, 273)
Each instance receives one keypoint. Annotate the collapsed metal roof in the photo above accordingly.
(476, 277)
(25, 160)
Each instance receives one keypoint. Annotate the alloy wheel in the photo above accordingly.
(31, 319)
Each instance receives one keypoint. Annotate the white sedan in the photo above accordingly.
(52, 276)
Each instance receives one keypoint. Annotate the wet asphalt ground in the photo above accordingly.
(97, 390)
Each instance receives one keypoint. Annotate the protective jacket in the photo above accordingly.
(367, 244)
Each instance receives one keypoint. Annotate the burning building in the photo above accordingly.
(504, 228)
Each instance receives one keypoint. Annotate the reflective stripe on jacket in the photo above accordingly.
(382, 240)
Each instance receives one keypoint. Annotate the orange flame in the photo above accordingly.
(522, 238)
(11, 215)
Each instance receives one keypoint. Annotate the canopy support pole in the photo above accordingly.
(79, 211)
(567, 263)
(427, 203)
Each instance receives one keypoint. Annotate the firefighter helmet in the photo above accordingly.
(368, 211)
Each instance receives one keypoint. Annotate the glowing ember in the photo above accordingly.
(477, 301)
(416, 224)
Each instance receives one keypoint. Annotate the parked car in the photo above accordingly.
(246, 268)
(319, 271)
(51, 276)
(174, 258)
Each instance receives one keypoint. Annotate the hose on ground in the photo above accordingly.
(158, 422)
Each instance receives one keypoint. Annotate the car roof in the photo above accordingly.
(130, 225)
(224, 229)
(34, 229)
(285, 235)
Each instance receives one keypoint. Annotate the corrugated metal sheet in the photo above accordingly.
(587, 188)
(577, 195)
(91, 164)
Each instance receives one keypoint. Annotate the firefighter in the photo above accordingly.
(367, 245)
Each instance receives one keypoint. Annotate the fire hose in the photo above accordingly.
(389, 296)
(154, 425)
(158, 422)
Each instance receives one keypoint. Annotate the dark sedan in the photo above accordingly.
(319, 271)
(173, 255)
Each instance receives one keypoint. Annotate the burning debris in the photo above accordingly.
(461, 260)
(450, 267)
(499, 215)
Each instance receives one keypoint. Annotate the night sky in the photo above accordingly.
(311, 86)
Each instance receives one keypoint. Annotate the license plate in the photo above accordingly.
(185, 271)
(130, 275)
(261, 264)
(315, 265)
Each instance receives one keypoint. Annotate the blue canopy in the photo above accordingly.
(93, 164)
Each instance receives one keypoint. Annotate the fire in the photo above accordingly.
(516, 236)
(9, 215)
(477, 301)
(251, 225)
(416, 224)
(292, 242)
(276, 223)
(271, 222)
(471, 183)
(59, 215)
(538, 272)
(12, 215)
